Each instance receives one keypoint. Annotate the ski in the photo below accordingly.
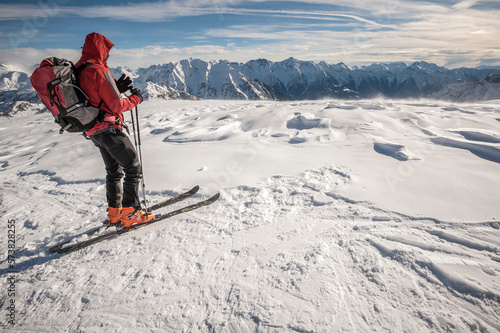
(159, 205)
(175, 199)
(97, 239)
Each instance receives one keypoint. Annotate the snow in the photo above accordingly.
(334, 216)
(486, 89)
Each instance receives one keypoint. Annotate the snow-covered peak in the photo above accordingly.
(339, 66)
(493, 78)
(13, 78)
(4, 69)
(423, 65)
(486, 89)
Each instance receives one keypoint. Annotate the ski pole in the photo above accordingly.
(133, 128)
(139, 150)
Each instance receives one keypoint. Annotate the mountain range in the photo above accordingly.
(486, 89)
(290, 79)
(299, 80)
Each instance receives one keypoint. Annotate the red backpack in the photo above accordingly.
(56, 83)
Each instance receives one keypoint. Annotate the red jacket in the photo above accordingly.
(99, 85)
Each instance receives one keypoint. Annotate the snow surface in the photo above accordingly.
(334, 216)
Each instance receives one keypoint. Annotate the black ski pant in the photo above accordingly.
(120, 157)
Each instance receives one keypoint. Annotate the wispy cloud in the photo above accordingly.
(318, 15)
(137, 12)
(162, 11)
(362, 31)
(166, 10)
(16, 11)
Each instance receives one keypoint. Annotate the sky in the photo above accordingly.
(356, 32)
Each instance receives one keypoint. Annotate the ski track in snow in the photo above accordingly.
(297, 250)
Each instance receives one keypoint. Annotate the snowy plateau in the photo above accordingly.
(335, 216)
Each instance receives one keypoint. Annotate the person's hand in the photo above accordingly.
(124, 83)
(137, 92)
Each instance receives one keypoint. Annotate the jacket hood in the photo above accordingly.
(95, 49)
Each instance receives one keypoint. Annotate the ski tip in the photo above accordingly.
(53, 250)
(56, 248)
(194, 189)
(215, 197)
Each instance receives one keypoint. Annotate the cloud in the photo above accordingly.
(167, 10)
(133, 58)
(137, 12)
(30, 56)
(16, 12)
(465, 4)
(315, 15)
(362, 32)
(341, 49)
(144, 57)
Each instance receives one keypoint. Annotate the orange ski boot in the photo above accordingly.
(114, 216)
(132, 216)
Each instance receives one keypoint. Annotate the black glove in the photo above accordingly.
(124, 83)
(137, 92)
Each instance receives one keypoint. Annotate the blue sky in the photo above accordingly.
(449, 33)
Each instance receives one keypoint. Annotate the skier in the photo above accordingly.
(120, 157)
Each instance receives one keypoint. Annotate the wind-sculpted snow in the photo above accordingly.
(490, 153)
(474, 135)
(334, 216)
(300, 122)
(399, 152)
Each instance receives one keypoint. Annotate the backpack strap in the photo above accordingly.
(77, 74)
(82, 67)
